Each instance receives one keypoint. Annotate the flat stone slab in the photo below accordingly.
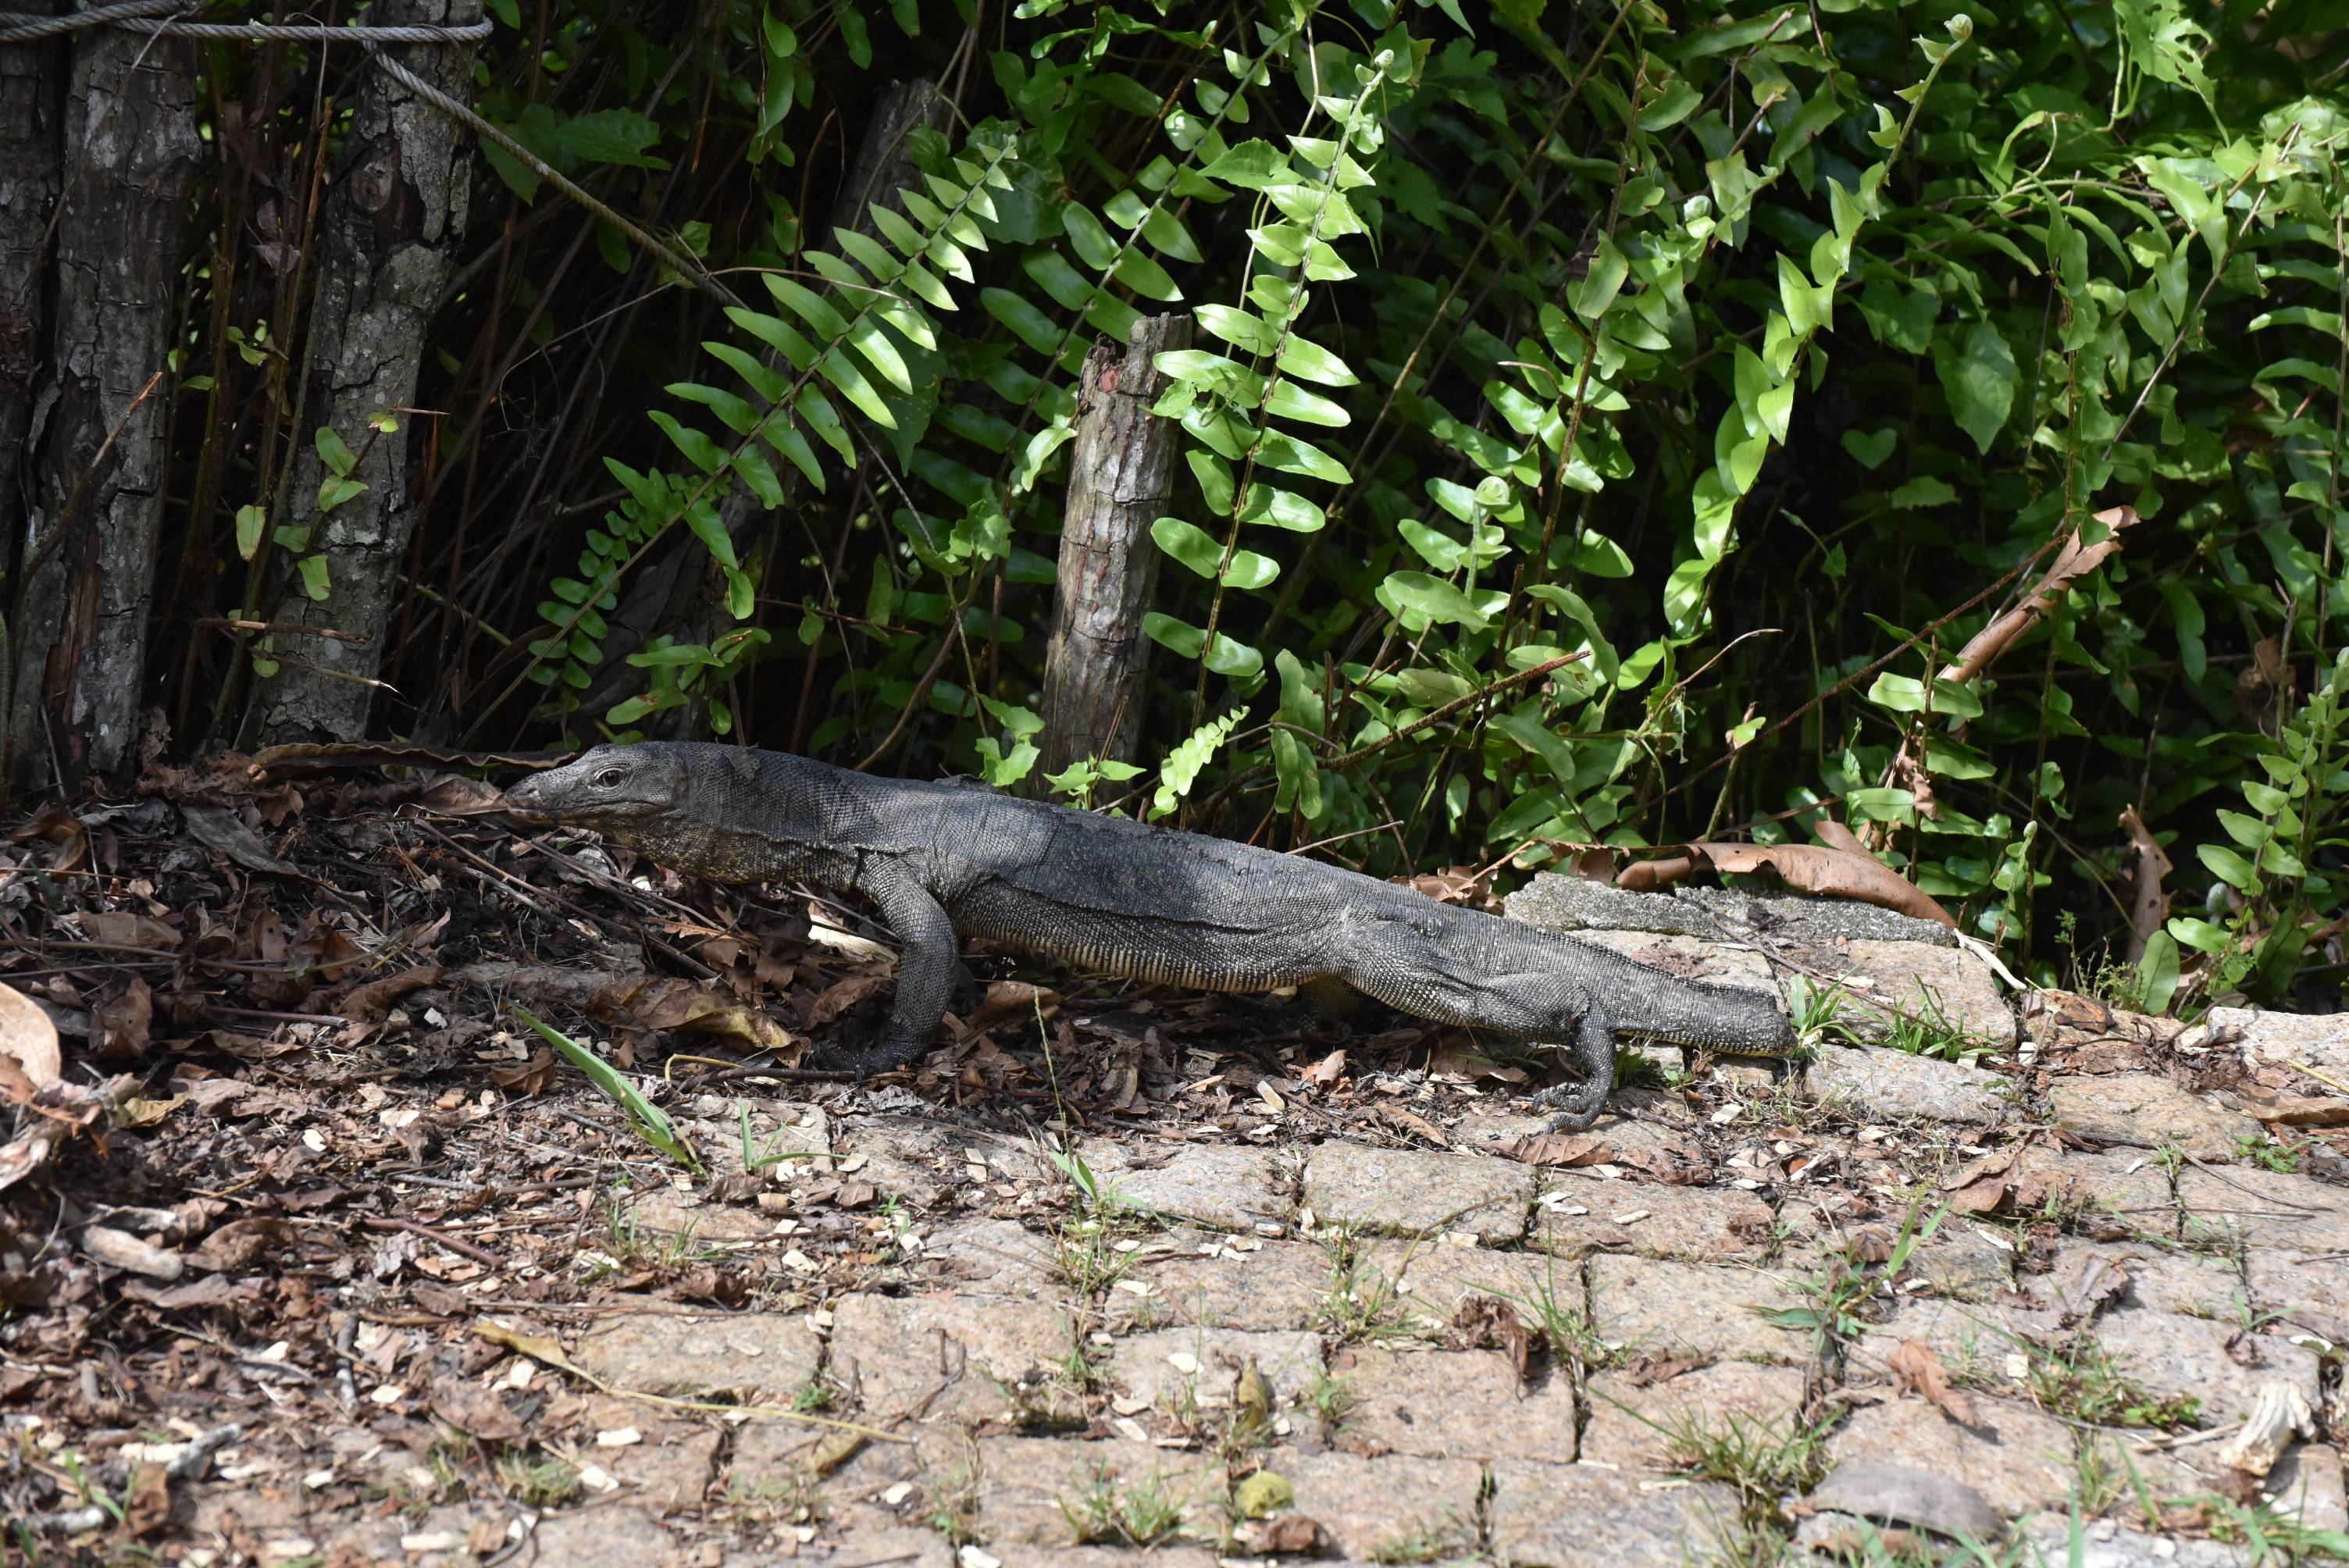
(1882, 1085)
(2265, 1208)
(1190, 1371)
(2160, 1279)
(2212, 1362)
(980, 1256)
(2310, 1291)
(2308, 1484)
(1219, 1184)
(1649, 1306)
(2114, 1545)
(954, 1357)
(1583, 1516)
(2320, 1040)
(2145, 1111)
(665, 1211)
(1279, 1284)
(1693, 958)
(1450, 1405)
(1580, 1215)
(1646, 1427)
(1394, 1508)
(1978, 1343)
(2108, 1196)
(1058, 1491)
(766, 1357)
(2018, 1459)
(1417, 1192)
(1969, 1261)
(1566, 903)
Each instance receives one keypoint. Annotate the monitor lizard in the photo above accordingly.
(944, 860)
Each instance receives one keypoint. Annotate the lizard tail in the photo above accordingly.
(1707, 1017)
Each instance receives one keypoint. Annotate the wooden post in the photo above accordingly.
(1121, 475)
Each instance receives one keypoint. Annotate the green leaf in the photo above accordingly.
(651, 1123)
(2229, 867)
(313, 576)
(1979, 379)
(1870, 451)
(250, 521)
(333, 492)
(1411, 595)
(1188, 544)
(835, 368)
(339, 458)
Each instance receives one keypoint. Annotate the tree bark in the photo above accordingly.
(388, 233)
(32, 170)
(1121, 474)
(98, 460)
(683, 594)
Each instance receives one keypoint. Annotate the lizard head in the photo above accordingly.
(612, 788)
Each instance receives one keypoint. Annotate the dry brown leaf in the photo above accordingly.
(1325, 1073)
(651, 1003)
(148, 1509)
(1808, 867)
(2086, 1284)
(221, 830)
(121, 928)
(454, 795)
(118, 1026)
(240, 1242)
(1561, 1149)
(1008, 1001)
(27, 1038)
(1919, 1371)
(372, 999)
(475, 1411)
(841, 996)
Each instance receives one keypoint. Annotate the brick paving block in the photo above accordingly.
(1157, 1556)
(2145, 1111)
(1982, 1343)
(1191, 1370)
(1920, 979)
(665, 1473)
(2264, 1208)
(665, 1211)
(2017, 1457)
(1279, 1284)
(978, 1257)
(1449, 1403)
(2205, 1359)
(1220, 1185)
(1393, 1509)
(1581, 1516)
(2112, 1545)
(2160, 1278)
(2308, 1484)
(765, 1356)
(1883, 1085)
(1071, 1492)
(1967, 1262)
(1642, 1304)
(955, 1357)
(2310, 1290)
(1431, 1278)
(1637, 1428)
(2108, 1196)
(607, 1537)
(1412, 1191)
(899, 1548)
(2320, 1040)
(1710, 1224)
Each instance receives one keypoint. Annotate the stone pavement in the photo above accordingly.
(1746, 1316)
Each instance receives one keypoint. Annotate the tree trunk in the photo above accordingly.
(1120, 473)
(683, 594)
(31, 168)
(98, 456)
(393, 215)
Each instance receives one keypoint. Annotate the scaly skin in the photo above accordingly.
(944, 860)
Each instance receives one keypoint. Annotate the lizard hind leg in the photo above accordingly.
(1593, 1051)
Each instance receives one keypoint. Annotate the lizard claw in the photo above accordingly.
(1582, 1102)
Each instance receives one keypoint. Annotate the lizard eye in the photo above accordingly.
(609, 777)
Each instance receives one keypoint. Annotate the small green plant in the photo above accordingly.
(1836, 1290)
(1764, 1459)
(1134, 1513)
(546, 1482)
(1927, 1030)
(2079, 1378)
(1362, 1302)
(647, 1121)
(1333, 1400)
(1433, 1541)
(755, 1159)
(1817, 1010)
(2269, 1153)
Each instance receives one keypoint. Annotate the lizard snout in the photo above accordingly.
(527, 800)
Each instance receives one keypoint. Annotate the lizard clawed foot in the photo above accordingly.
(864, 1061)
(1582, 1103)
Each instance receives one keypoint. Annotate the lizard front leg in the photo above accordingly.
(1593, 1050)
(925, 974)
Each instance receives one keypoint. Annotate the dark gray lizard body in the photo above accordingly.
(1103, 892)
